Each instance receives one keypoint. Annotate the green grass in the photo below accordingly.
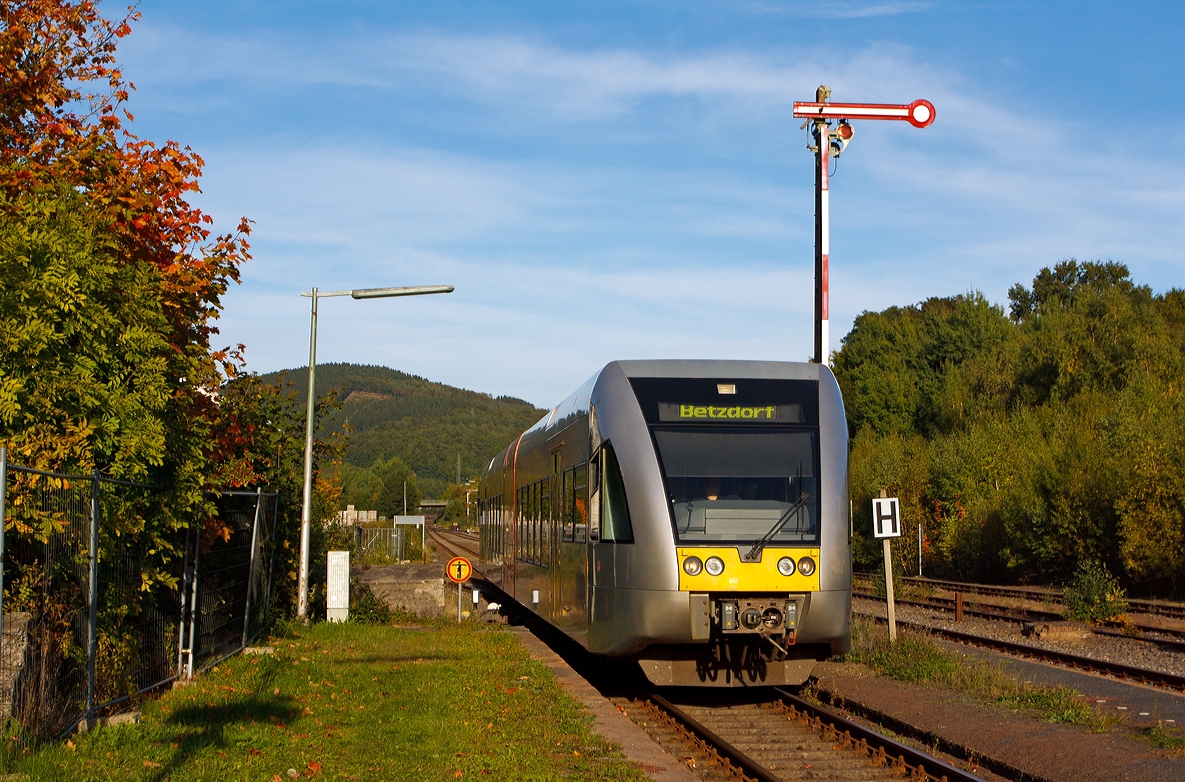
(352, 702)
(917, 659)
(1164, 738)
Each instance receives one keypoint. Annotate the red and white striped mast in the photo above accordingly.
(831, 142)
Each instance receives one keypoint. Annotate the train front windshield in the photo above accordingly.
(737, 485)
(738, 455)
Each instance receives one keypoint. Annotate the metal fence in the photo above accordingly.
(379, 546)
(98, 608)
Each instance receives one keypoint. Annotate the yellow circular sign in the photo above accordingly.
(458, 570)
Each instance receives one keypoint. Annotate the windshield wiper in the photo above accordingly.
(759, 545)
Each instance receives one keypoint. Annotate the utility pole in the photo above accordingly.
(830, 142)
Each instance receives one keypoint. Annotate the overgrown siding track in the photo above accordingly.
(1147, 676)
(1050, 595)
(1018, 615)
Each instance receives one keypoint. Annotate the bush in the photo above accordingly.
(878, 581)
(368, 608)
(1094, 595)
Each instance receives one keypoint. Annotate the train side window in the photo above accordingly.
(500, 538)
(520, 523)
(569, 506)
(545, 521)
(536, 500)
(580, 503)
(535, 516)
(615, 511)
(532, 515)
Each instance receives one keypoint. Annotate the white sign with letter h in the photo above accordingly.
(886, 517)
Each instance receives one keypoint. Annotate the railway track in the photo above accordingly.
(726, 735)
(1147, 676)
(1051, 595)
(453, 543)
(1027, 615)
(781, 738)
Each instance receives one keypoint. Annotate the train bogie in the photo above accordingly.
(691, 515)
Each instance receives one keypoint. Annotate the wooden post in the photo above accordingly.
(958, 606)
(892, 610)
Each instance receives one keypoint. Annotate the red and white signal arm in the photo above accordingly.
(920, 113)
(886, 517)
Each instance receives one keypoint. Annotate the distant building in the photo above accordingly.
(351, 517)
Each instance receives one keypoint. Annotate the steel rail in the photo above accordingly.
(917, 763)
(734, 759)
(452, 549)
(945, 604)
(1168, 681)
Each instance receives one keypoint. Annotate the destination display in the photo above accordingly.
(676, 411)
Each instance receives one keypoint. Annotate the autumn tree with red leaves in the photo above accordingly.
(111, 278)
(110, 286)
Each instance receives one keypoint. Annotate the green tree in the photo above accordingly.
(399, 489)
(1034, 443)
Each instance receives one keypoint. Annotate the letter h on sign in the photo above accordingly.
(886, 517)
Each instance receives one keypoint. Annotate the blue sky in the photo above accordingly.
(625, 180)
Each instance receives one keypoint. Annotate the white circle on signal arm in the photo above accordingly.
(921, 112)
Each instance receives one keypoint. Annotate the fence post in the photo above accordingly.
(184, 598)
(92, 650)
(251, 570)
(194, 605)
(271, 557)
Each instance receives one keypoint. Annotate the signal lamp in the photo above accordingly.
(692, 566)
(786, 566)
(714, 566)
(844, 131)
(806, 566)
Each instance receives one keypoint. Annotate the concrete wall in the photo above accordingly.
(417, 589)
(14, 647)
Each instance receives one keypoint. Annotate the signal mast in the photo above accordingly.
(831, 141)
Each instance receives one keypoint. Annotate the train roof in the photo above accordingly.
(579, 401)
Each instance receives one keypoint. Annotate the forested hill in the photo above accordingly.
(422, 423)
(1031, 441)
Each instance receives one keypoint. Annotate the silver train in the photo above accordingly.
(691, 515)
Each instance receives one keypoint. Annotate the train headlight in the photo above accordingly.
(714, 566)
(786, 566)
(806, 566)
(692, 566)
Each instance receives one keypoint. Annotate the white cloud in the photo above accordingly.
(657, 233)
(835, 10)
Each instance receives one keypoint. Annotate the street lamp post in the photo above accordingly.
(306, 511)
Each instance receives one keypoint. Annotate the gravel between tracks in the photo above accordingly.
(1100, 647)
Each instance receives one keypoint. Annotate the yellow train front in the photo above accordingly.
(691, 515)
